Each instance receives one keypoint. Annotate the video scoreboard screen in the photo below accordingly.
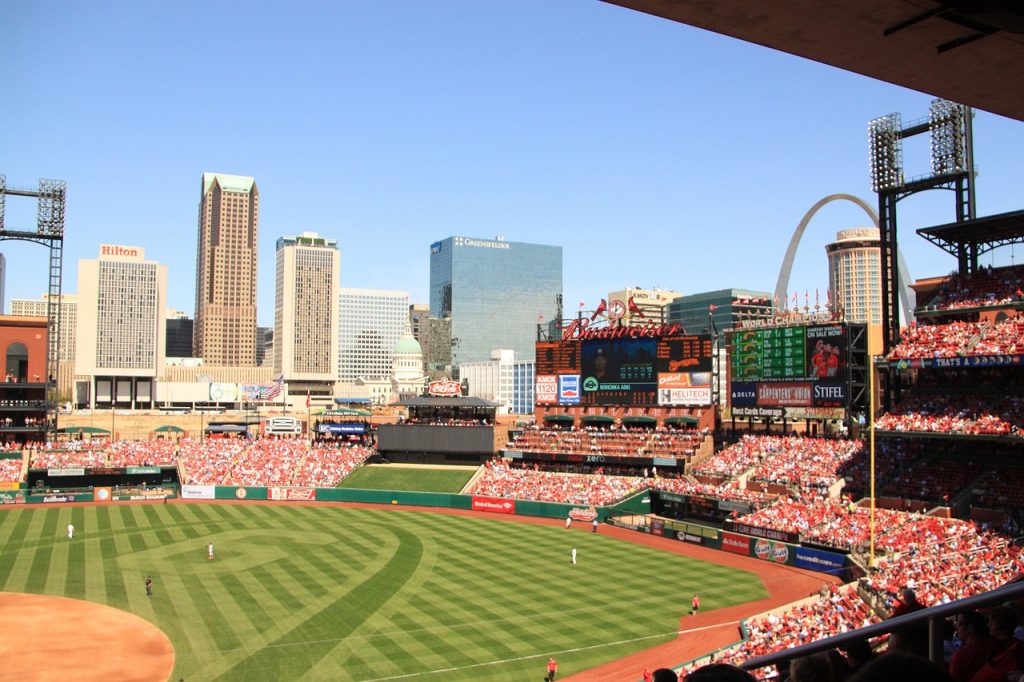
(788, 353)
(628, 371)
(789, 367)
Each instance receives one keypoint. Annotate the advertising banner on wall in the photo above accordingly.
(819, 560)
(784, 394)
(293, 494)
(737, 544)
(697, 395)
(198, 492)
(223, 393)
(765, 533)
(546, 391)
(743, 394)
(494, 504)
(771, 551)
(569, 389)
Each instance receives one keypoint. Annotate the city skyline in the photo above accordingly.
(655, 154)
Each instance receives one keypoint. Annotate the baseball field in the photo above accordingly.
(342, 593)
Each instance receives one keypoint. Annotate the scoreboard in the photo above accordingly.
(627, 371)
(766, 354)
(788, 353)
(789, 369)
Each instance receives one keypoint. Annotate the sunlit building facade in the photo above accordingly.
(496, 294)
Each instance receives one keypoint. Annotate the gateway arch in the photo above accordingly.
(782, 285)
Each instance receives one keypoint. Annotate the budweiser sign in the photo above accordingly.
(444, 387)
(581, 330)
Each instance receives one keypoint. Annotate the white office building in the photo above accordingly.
(122, 308)
(306, 309)
(502, 380)
(371, 321)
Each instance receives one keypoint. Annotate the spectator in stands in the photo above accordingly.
(912, 639)
(1007, 654)
(972, 631)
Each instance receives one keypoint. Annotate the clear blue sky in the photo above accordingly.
(656, 154)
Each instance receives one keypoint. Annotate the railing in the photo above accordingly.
(933, 616)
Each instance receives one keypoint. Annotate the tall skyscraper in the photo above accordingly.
(122, 312)
(225, 325)
(306, 308)
(371, 322)
(854, 274)
(496, 293)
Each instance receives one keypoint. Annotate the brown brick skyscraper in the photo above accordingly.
(225, 326)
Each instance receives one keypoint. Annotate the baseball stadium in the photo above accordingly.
(791, 490)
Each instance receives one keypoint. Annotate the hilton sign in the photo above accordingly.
(123, 251)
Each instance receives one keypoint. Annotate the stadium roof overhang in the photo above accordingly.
(681, 420)
(639, 420)
(982, 234)
(966, 51)
(455, 401)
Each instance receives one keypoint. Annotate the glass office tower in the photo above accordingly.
(495, 292)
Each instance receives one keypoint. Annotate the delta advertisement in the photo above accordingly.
(496, 505)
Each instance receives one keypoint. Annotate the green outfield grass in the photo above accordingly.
(419, 480)
(333, 593)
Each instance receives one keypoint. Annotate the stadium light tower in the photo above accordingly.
(952, 165)
(51, 199)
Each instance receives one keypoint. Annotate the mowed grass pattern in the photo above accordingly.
(334, 593)
(396, 478)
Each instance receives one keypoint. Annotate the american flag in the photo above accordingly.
(275, 388)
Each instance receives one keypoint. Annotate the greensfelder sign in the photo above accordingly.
(143, 470)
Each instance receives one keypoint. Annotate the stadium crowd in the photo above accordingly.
(10, 470)
(959, 338)
(267, 462)
(986, 287)
(626, 442)
(499, 478)
(969, 415)
(799, 462)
